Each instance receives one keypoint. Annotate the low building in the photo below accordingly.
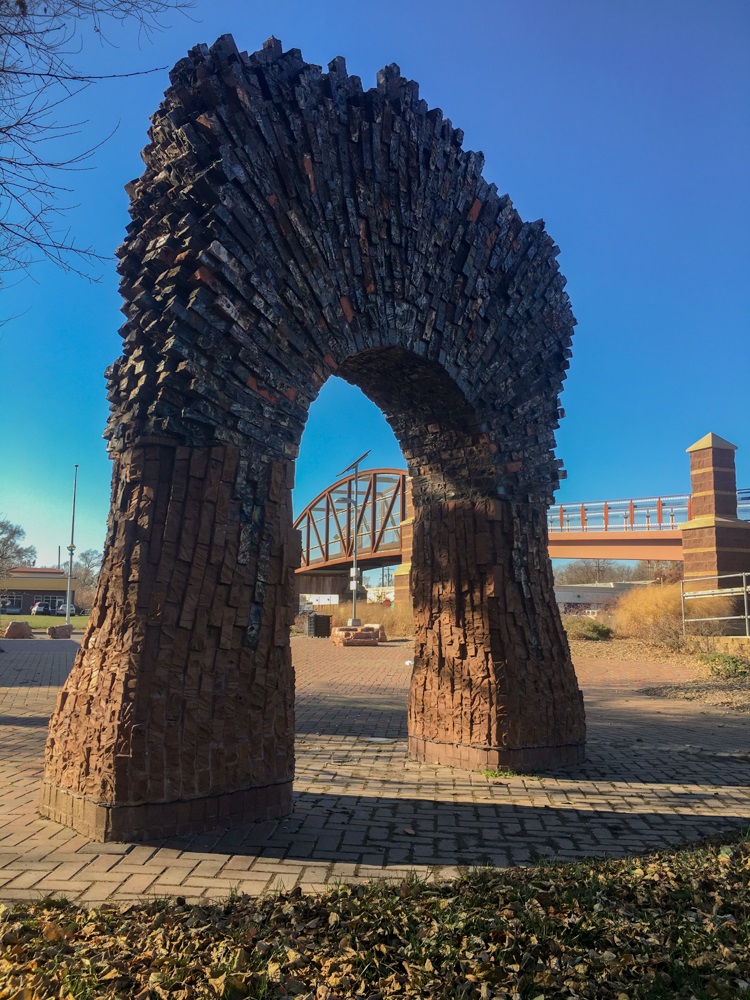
(572, 597)
(26, 586)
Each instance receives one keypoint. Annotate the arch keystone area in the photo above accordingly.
(290, 225)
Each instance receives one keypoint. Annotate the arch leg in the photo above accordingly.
(493, 682)
(178, 715)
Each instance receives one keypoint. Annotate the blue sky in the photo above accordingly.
(625, 126)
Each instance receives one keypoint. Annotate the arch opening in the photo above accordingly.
(289, 226)
(446, 450)
(343, 423)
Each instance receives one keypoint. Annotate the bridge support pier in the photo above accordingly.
(493, 683)
(714, 541)
(402, 574)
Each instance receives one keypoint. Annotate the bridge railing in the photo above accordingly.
(380, 496)
(642, 514)
(327, 524)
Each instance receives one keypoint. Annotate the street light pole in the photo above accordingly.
(354, 581)
(71, 549)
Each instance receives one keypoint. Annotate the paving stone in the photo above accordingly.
(628, 796)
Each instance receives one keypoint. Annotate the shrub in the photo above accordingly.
(654, 615)
(726, 664)
(580, 627)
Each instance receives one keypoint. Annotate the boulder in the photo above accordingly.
(18, 630)
(60, 631)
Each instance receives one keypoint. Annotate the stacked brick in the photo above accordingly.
(378, 629)
(360, 635)
(715, 542)
(493, 684)
(179, 712)
(288, 226)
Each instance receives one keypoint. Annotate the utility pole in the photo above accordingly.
(71, 549)
(355, 506)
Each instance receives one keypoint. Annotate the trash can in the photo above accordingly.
(319, 626)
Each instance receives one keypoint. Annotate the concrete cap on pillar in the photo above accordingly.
(711, 441)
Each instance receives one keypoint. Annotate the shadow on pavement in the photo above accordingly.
(403, 831)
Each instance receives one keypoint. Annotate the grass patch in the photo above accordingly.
(40, 623)
(670, 925)
(726, 664)
(507, 773)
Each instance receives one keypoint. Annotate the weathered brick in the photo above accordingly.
(277, 236)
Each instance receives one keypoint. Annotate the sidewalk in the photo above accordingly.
(658, 772)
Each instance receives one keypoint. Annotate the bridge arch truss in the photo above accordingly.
(327, 523)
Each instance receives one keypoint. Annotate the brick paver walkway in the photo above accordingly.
(657, 772)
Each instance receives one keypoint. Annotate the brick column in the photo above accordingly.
(178, 715)
(714, 540)
(493, 683)
(402, 573)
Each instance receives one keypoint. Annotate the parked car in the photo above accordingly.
(10, 609)
(41, 609)
(63, 610)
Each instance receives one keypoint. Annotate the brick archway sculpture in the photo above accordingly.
(290, 225)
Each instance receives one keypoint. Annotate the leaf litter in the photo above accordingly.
(675, 924)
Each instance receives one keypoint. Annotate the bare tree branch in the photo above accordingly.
(12, 552)
(39, 43)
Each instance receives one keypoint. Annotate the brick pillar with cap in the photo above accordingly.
(715, 542)
(402, 574)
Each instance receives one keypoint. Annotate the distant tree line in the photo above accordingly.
(614, 571)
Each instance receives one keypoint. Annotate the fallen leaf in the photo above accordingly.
(53, 932)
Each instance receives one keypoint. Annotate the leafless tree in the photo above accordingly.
(40, 41)
(592, 571)
(86, 567)
(12, 552)
(612, 571)
(86, 572)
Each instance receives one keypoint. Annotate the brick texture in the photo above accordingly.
(288, 226)
(715, 543)
(493, 682)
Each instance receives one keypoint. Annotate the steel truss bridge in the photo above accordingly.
(645, 528)
(327, 524)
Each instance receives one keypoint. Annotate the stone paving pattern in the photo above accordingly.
(657, 772)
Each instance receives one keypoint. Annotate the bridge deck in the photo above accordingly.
(647, 528)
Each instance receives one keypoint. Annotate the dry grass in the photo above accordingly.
(398, 621)
(654, 615)
(619, 649)
(723, 681)
(732, 694)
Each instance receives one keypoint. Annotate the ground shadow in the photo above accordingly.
(25, 721)
(381, 716)
(388, 831)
